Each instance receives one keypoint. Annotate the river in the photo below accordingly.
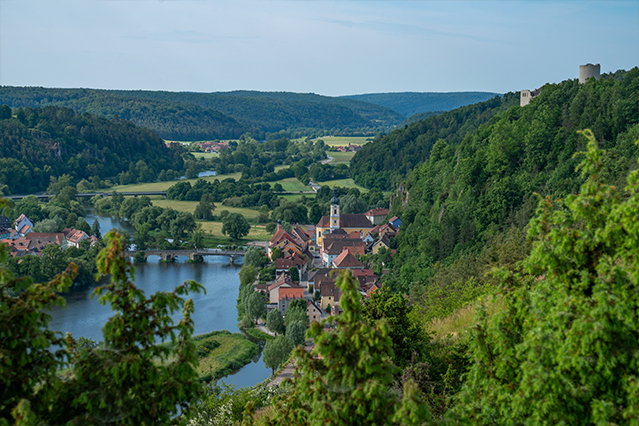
(84, 316)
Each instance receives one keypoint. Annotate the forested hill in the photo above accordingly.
(199, 116)
(37, 143)
(467, 195)
(385, 162)
(411, 103)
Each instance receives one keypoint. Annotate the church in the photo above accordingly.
(346, 222)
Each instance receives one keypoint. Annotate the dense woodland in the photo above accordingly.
(384, 163)
(200, 116)
(39, 143)
(464, 200)
(411, 103)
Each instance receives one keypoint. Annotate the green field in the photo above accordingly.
(345, 183)
(189, 206)
(206, 155)
(292, 185)
(257, 233)
(231, 352)
(345, 140)
(340, 157)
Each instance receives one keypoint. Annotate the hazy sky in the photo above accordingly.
(325, 47)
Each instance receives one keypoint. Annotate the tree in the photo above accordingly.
(407, 335)
(276, 352)
(296, 312)
(247, 274)
(197, 236)
(95, 229)
(295, 274)
(274, 321)
(129, 379)
(256, 306)
(235, 226)
(141, 236)
(254, 257)
(563, 350)
(204, 209)
(296, 332)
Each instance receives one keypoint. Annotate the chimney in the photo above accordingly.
(279, 224)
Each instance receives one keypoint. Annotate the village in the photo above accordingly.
(319, 252)
(23, 241)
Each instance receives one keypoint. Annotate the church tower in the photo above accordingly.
(334, 218)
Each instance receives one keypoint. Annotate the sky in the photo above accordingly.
(326, 47)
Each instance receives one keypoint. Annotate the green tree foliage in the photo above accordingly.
(274, 321)
(564, 349)
(95, 229)
(255, 257)
(59, 141)
(255, 306)
(296, 312)
(467, 194)
(407, 336)
(384, 162)
(294, 273)
(248, 273)
(296, 332)
(204, 209)
(276, 352)
(347, 378)
(235, 226)
(128, 379)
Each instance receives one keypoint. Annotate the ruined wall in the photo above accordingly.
(587, 71)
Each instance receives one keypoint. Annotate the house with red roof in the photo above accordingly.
(286, 295)
(74, 236)
(346, 260)
(376, 216)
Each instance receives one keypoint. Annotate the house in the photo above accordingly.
(285, 281)
(21, 222)
(395, 221)
(381, 243)
(346, 260)
(387, 230)
(329, 293)
(365, 277)
(334, 248)
(313, 311)
(348, 222)
(283, 241)
(57, 238)
(74, 236)
(376, 216)
(5, 233)
(301, 237)
(286, 295)
(296, 260)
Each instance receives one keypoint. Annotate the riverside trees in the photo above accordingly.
(128, 380)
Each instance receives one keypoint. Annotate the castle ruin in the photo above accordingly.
(587, 71)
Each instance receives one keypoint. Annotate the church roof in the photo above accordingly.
(347, 221)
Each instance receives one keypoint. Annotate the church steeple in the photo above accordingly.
(334, 218)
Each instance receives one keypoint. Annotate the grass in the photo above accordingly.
(463, 319)
(206, 155)
(294, 197)
(163, 186)
(340, 157)
(292, 185)
(233, 352)
(189, 206)
(257, 233)
(345, 140)
(259, 334)
(345, 183)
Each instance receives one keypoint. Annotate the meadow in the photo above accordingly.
(345, 140)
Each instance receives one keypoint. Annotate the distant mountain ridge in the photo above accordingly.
(411, 103)
(198, 116)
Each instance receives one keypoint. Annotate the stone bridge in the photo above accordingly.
(193, 254)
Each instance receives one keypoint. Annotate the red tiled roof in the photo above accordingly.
(347, 221)
(336, 247)
(279, 235)
(377, 212)
(283, 279)
(347, 260)
(291, 293)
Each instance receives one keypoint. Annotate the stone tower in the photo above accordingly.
(334, 218)
(587, 71)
